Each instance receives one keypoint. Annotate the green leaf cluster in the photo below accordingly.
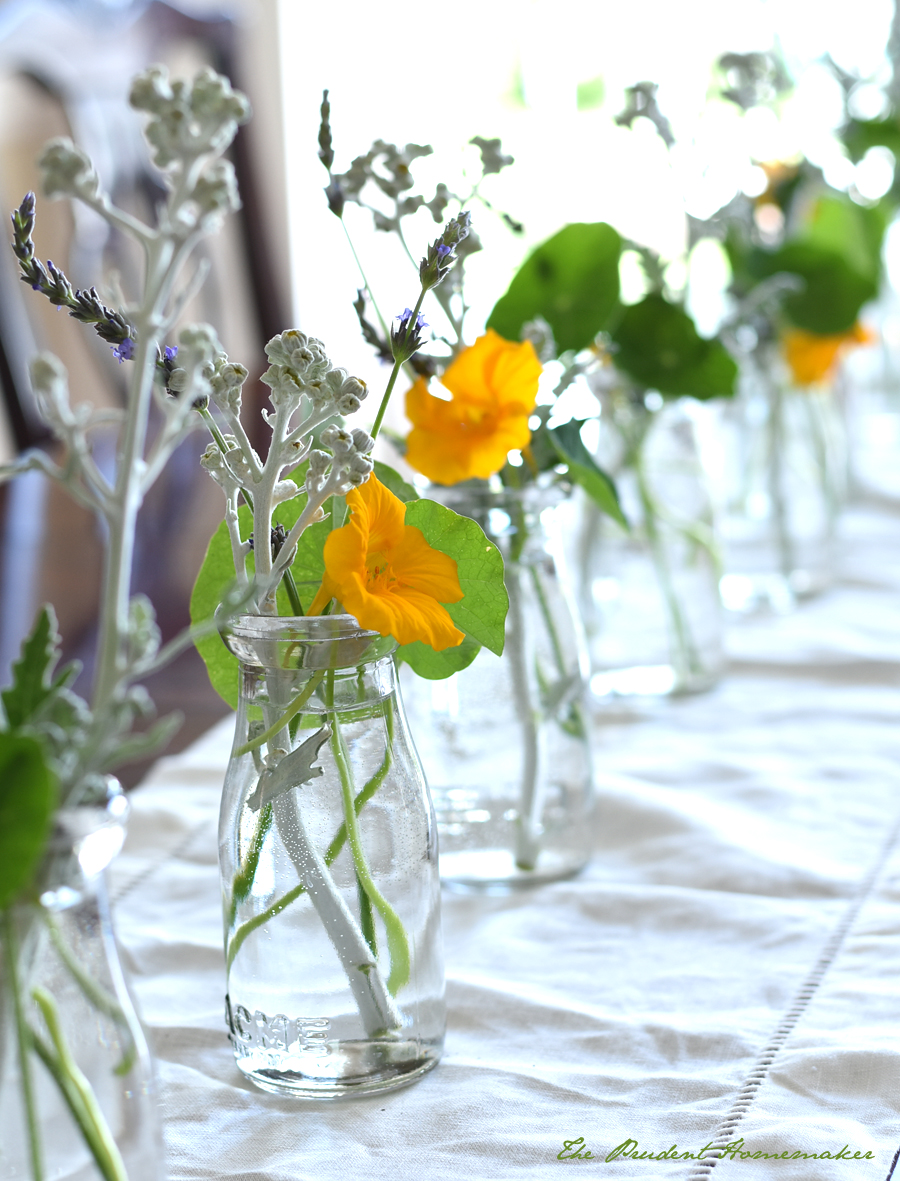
(836, 253)
(572, 281)
(658, 345)
(859, 135)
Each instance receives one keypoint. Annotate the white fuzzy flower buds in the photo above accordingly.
(198, 351)
(188, 120)
(50, 383)
(68, 171)
(225, 384)
(216, 194)
(351, 465)
(299, 365)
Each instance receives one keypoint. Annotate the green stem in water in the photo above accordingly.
(294, 708)
(686, 659)
(398, 943)
(575, 722)
(95, 994)
(777, 464)
(23, 1041)
(337, 844)
(77, 1091)
(244, 878)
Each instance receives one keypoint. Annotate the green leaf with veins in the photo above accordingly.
(28, 795)
(481, 614)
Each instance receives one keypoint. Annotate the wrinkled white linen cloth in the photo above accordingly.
(728, 969)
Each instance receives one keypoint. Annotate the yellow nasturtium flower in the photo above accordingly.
(386, 574)
(493, 386)
(812, 357)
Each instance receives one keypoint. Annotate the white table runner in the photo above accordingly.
(727, 969)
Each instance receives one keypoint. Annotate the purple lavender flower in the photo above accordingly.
(171, 352)
(405, 317)
(442, 250)
(125, 350)
(405, 338)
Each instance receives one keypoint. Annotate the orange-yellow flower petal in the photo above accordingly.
(493, 385)
(387, 575)
(811, 356)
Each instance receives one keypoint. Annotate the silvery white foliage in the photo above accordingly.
(284, 490)
(350, 465)
(188, 120)
(50, 383)
(339, 390)
(198, 351)
(300, 365)
(67, 171)
(215, 195)
(231, 471)
(226, 383)
(296, 362)
(143, 633)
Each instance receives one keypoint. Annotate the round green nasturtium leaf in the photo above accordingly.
(394, 482)
(833, 291)
(479, 565)
(28, 795)
(659, 346)
(437, 666)
(572, 280)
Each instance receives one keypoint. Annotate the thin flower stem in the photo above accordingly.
(23, 1041)
(337, 844)
(279, 724)
(246, 875)
(77, 1091)
(398, 943)
(94, 993)
(776, 481)
(398, 365)
(576, 715)
(368, 287)
(530, 802)
(686, 660)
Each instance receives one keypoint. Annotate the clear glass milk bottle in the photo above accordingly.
(77, 1095)
(328, 856)
(505, 742)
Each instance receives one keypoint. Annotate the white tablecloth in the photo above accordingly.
(728, 968)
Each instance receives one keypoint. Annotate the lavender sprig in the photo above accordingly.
(84, 306)
(440, 257)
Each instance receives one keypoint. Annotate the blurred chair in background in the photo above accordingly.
(65, 69)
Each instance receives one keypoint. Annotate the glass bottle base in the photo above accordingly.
(494, 871)
(748, 594)
(350, 1069)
